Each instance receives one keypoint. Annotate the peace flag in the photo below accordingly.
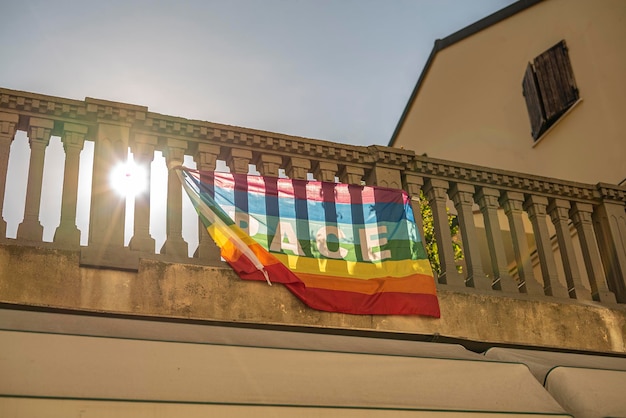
(337, 247)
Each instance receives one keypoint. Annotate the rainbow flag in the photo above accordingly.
(338, 247)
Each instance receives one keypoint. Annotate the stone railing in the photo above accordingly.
(521, 234)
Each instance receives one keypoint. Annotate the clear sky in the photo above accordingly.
(340, 70)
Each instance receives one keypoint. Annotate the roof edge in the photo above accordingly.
(458, 36)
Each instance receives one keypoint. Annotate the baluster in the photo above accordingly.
(206, 156)
(385, 177)
(488, 202)
(610, 225)
(581, 216)
(511, 202)
(106, 223)
(536, 208)
(436, 192)
(206, 159)
(324, 171)
(8, 127)
(413, 186)
(463, 197)
(351, 174)
(268, 164)
(174, 244)
(239, 160)
(38, 136)
(559, 212)
(143, 153)
(67, 233)
(298, 168)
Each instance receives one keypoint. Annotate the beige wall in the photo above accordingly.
(210, 293)
(470, 107)
(74, 372)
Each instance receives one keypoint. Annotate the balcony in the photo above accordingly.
(544, 260)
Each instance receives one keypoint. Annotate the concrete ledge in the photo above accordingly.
(54, 278)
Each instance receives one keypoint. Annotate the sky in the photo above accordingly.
(337, 70)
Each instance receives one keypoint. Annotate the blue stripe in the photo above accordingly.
(258, 224)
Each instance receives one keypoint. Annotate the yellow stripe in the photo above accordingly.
(331, 267)
(221, 237)
(355, 269)
(218, 236)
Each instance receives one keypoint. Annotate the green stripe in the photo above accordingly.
(400, 249)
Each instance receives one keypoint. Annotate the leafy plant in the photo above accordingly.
(430, 241)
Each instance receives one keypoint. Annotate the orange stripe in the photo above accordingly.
(263, 255)
(230, 252)
(416, 283)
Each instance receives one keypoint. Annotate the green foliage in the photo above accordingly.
(430, 241)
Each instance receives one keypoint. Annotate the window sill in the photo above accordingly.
(543, 135)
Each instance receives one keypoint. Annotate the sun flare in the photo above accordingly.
(129, 179)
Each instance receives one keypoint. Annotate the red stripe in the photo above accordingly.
(341, 192)
(357, 303)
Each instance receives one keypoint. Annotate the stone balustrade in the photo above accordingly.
(521, 234)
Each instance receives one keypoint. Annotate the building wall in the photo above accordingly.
(470, 106)
(217, 294)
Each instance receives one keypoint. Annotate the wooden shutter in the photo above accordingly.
(533, 102)
(555, 80)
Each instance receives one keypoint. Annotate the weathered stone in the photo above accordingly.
(213, 293)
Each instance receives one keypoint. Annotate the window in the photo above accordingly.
(549, 88)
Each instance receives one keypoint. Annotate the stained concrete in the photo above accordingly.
(47, 277)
